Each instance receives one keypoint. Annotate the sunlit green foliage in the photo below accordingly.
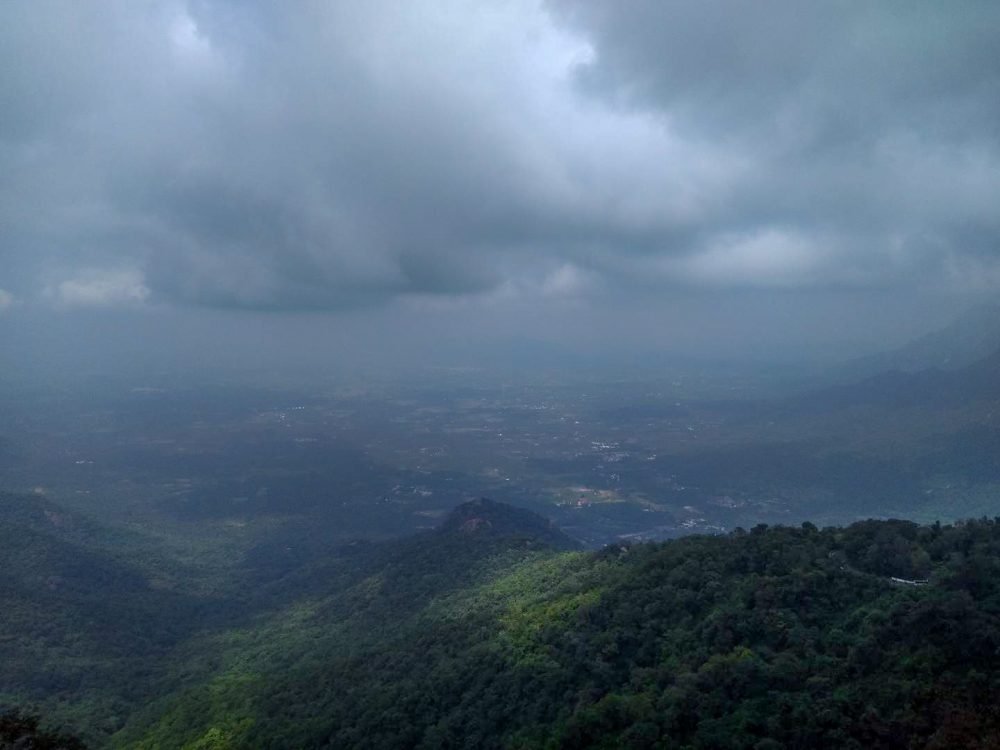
(485, 635)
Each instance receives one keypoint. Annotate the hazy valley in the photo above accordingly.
(168, 541)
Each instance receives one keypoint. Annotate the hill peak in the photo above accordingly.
(491, 519)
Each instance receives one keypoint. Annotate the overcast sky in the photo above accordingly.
(660, 173)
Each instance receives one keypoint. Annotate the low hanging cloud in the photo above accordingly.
(7, 300)
(335, 155)
(100, 289)
(767, 258)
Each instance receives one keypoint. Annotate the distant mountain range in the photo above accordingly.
(972, 337)
(959, 364)
(932, 387)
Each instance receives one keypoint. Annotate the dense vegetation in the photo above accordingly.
(492, 632)
(84, 623)
(21, 732)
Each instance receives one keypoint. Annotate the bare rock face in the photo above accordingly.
(472, 525)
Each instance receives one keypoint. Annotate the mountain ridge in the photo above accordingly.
(969, 338)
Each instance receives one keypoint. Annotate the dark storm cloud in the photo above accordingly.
(839, 71)
(869, 131)
(252, 155)
(332, 155)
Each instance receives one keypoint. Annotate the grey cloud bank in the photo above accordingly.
(586, 161)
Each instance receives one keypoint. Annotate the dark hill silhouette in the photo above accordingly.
(487, 519)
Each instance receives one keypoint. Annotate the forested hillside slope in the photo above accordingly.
(491, 632)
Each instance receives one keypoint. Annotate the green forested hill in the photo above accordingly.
(491, 633)
(82, 627)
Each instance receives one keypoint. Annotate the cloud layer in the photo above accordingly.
(339, 155)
